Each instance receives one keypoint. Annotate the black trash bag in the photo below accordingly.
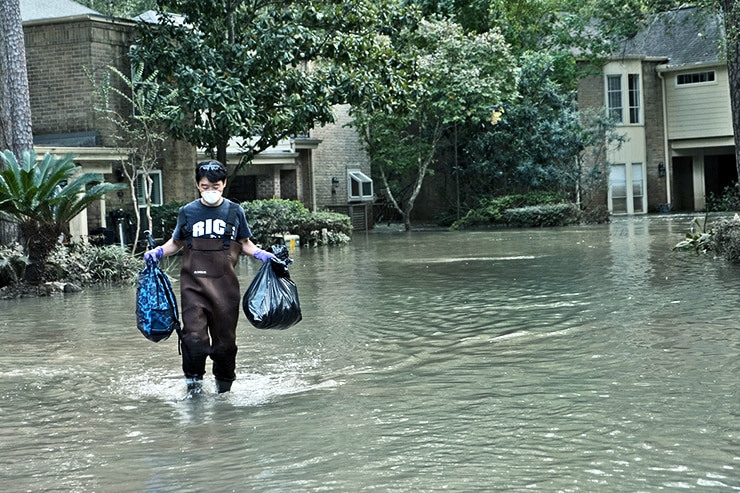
(271, 300)
(156, 305)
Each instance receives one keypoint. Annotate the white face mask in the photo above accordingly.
(211, 196)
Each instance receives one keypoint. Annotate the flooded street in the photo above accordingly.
(570, 359)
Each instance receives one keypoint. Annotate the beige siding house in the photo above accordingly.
(668, 90)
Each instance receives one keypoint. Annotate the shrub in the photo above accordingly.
(728, 200)
(12, 264)
(276, 217)
(724, 239)
(164, 219)
(87, 265)
(542, 215)
(698, 239)
(338, 228)
(491, 211)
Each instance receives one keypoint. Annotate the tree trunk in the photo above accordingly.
(39, 241)
(15, 104)
(731, 11)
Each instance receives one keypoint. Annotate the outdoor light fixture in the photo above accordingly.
(334, 184)
(661, 169)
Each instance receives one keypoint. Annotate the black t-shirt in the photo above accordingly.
(209, 222)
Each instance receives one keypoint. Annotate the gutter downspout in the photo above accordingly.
(666, 153)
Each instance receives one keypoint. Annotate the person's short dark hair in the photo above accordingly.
(213, 170)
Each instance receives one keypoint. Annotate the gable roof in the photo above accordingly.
(32, 10)
(683, 37)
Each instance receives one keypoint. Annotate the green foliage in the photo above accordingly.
(12, 264)
(728, 200)
(164, 219)
(540, 216)
(338, 229)
(457, 78)
(508, 159)
(87, 265)
(43, 197)
(698, 239)
(276, 217)
(120, 8)
(242, 67)
(48, 192)
(273, 217)
(491, 210)
(725, 239)
(140, 134)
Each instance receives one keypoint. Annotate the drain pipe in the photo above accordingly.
(666, 152)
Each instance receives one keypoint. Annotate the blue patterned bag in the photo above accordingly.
(156, 305)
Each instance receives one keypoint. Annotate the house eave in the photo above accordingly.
(667, 67)
(92, 159)
(78, 18)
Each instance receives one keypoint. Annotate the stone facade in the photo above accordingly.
(58, 56)
(654, 135)
(339, 151)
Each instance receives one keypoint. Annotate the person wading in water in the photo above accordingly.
(211, 231)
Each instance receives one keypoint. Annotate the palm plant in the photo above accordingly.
(42, 197)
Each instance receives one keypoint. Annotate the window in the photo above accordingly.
(614, 97)
(156, 177)
(618, 185)
(359, 185)
(627, 188)
(634, 97)
(695, 78)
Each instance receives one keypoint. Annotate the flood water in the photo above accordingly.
(575, 359)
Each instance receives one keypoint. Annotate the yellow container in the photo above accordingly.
(292, 241)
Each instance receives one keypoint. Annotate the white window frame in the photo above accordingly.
(621, 97)
(632, 188)
(359, 186)
(614, 98)
(699, 75)
(157, 195)
(633, 98)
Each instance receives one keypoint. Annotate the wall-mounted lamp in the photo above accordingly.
(661, 169)
(120, 176)
(334, 184)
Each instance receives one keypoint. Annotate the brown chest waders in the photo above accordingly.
(209, 292)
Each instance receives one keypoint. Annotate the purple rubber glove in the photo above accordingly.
(264, 256)
(154, 255)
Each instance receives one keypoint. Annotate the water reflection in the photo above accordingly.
(577, 359)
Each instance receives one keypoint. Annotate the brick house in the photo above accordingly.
(668, 89)
(65, 40)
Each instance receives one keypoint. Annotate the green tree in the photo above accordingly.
(141, 133)
(43, 197)
(457, 78)
(506, 159)
(120, 8)
(731, 13)
(259, 71)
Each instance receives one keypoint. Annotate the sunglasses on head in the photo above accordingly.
(211, 167)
